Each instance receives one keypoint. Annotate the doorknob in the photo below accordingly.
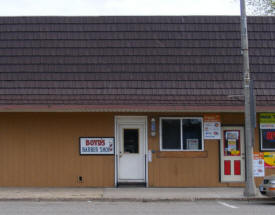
(120, 154)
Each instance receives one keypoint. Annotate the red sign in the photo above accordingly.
(212, 118)
(270, 135)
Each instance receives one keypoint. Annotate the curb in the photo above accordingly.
(186, 199)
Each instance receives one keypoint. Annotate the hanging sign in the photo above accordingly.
(258, 164)
(96, 145)
(212, 126)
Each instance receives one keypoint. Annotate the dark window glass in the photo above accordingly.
(171, 134)
(192, 134)
(131, 141)
(268, 139)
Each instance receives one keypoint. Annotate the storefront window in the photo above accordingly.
(268, 139)
(171, 134)
(192, 134)
(181, 134)
(267, 131)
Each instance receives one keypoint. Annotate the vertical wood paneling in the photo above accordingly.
(42, 149)
(189, 172)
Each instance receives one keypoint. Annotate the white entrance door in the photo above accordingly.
(131, 149)
(232, 154)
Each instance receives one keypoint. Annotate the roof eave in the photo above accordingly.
(125, 108)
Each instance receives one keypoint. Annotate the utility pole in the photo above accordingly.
(250, 189)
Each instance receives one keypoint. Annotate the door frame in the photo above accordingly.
(131, 120)
(242, 155)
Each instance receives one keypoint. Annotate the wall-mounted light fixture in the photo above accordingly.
(153, 127)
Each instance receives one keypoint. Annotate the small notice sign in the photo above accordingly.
(212, 126)
(192, 144)
(258, 164)
(96, 145)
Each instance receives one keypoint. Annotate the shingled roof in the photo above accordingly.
(167, 63)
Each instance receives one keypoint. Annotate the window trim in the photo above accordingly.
(181, 138)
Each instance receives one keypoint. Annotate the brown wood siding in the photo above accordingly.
(42, 149)
(193, 171)
(176, 171)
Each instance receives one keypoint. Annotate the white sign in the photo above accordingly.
(149, 156)
(192, 144)
(259, 170)
(96, 145)
(212, 130)
(232, 135)
(267, 126)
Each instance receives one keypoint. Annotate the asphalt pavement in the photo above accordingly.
(136, 208)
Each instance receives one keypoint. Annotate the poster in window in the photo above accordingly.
(231, 143)
(232, 147)
(192, 144)
(232, 135)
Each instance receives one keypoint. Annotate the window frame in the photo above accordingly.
(181, 132)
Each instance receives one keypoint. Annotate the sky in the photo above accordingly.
(118, 7)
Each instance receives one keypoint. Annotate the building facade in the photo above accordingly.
(101, 101)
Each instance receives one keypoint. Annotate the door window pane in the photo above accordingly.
(192, 134)
(231, 140)
(171, 134)
(131, 141)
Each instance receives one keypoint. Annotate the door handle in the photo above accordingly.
(120, 154)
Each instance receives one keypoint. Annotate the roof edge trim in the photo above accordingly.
(117, 108)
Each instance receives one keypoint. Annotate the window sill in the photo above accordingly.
(182, 154)
(267, 150)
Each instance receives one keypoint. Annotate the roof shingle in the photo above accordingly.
(151, 61)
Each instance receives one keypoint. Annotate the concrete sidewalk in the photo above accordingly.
(123, 194)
